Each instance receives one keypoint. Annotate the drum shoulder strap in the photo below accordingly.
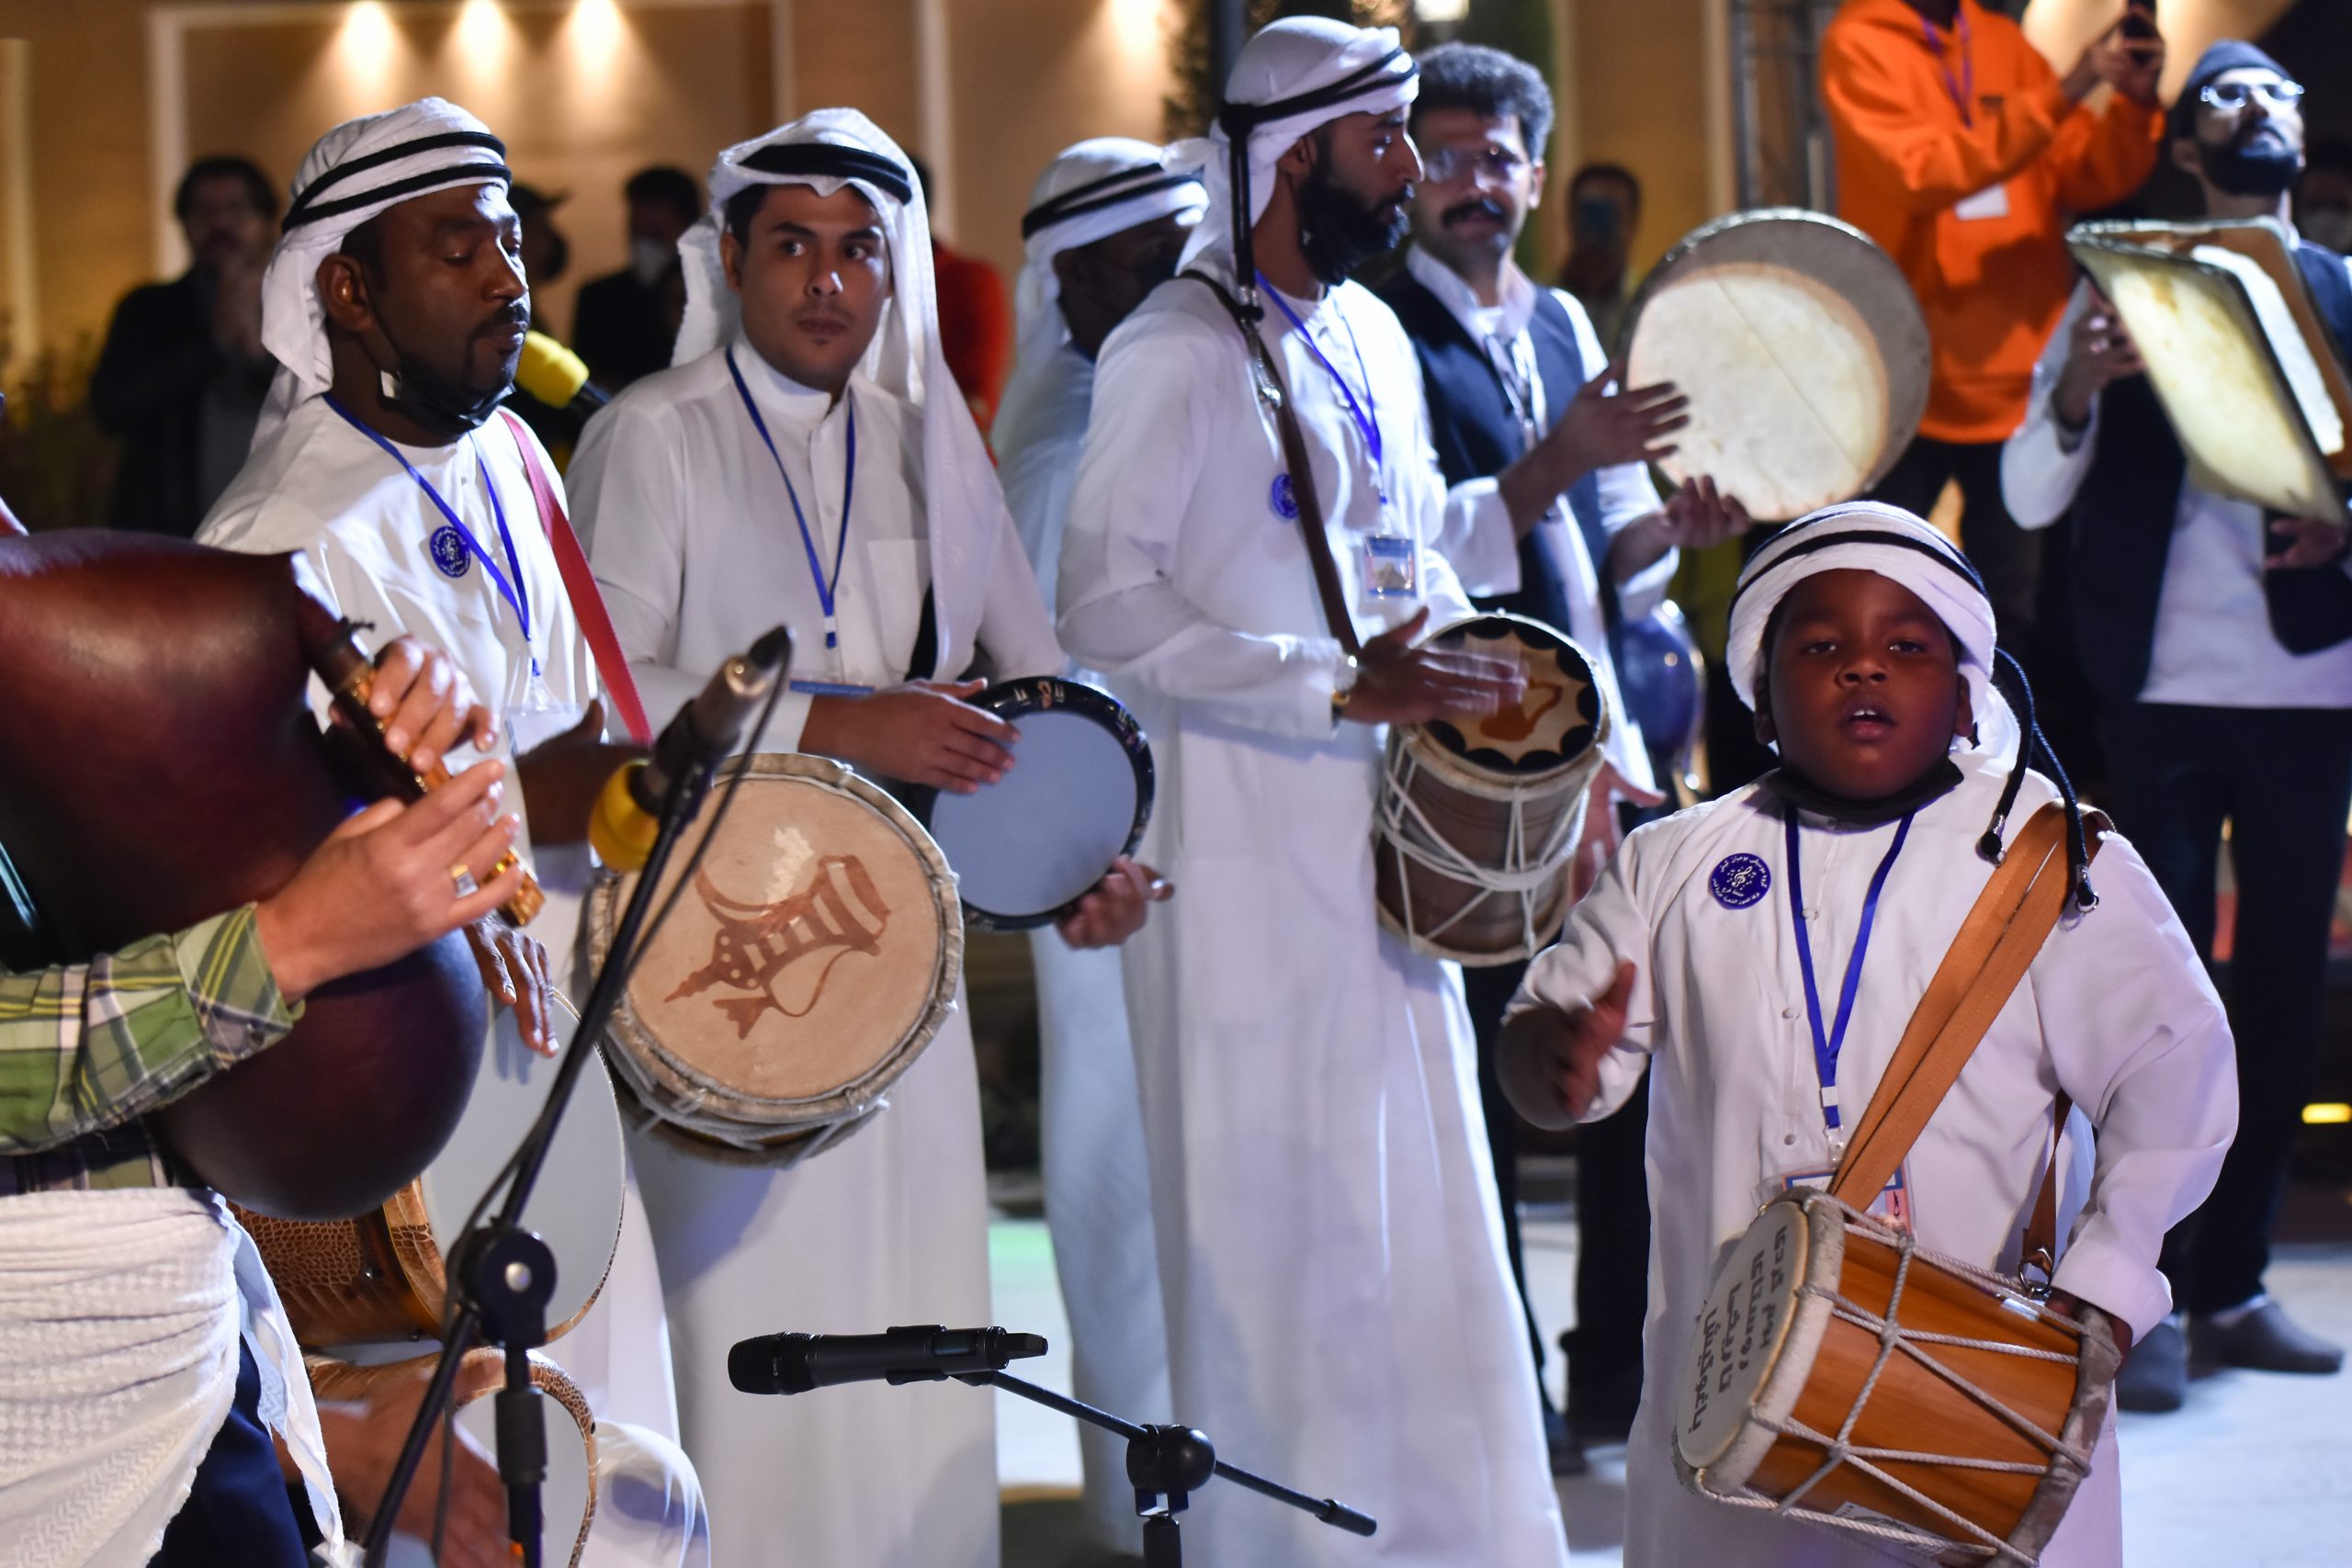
(1271, 389)
(2005, 930)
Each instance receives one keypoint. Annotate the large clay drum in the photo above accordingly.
(1802, 352)
(382, 1279)
(804, 967)
(1843, 1376)
(1477, 814)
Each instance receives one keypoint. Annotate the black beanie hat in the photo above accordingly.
(2225, 55)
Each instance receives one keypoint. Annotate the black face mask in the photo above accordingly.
(2264, 165)
(1338, 232)
(440, 403)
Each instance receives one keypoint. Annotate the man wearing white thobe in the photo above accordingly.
(1106, 222)
(806, 460)
(1339, 1312)
(411, 508)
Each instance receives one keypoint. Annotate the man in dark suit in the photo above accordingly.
(626, 322)
(183, 375)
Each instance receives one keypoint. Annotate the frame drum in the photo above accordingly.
(812, 958)
(1802, 352)
(1028, 848)
(379, 1278)
(1841, 1376)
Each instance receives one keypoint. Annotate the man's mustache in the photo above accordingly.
(506, 317)
(1476, 206)
(2257, 132)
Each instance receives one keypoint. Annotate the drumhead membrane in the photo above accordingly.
(1077, 795)
(1557, 720)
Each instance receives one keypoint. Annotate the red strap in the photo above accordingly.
(580, 585)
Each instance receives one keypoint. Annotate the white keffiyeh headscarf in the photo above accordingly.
(1100, 187)
(361, 168)
(1293, 75)
(1866, 535)
(827, 151)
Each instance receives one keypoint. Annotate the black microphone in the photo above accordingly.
(628, 812)
(795, 1363)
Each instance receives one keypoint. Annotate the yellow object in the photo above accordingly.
(2335, 1114)
(619, 830)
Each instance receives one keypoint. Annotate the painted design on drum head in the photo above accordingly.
(449, 551)
(1283, 499)
(782, 952)
(1556, 715)
(1738, 881)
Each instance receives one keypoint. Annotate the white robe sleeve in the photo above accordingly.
(1605, 928)
(1015, 631)
(628, 481)
(2039, 473)
(1157, 403)
(2141, 1044)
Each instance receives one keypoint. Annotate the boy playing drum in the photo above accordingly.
(1768, 949)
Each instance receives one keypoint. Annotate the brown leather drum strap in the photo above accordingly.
(1271, 391)
(2040, 1249)
(1997, 941)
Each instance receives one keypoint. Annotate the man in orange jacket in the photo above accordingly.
(1965, 155)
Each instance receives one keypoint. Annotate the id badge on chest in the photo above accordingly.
(1893, 1204)
(1993, 202)
(1391, 566)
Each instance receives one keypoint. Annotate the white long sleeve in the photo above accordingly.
(2040, 471)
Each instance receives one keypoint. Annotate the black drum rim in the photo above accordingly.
(1014, 700)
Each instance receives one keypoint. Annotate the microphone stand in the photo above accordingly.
(501, 1275)
(1167, 1465)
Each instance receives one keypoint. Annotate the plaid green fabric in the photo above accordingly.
(88, 1050)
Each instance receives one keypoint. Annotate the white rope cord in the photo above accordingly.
(1432, 848)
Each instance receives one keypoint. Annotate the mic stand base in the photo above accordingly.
(1168, 1464)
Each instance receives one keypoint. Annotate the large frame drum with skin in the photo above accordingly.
(1841, 1376)
(1477, 817)
(810, 961)
(2242, 363)
(1802, 349)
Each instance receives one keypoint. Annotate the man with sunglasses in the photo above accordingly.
(1550, 514)
(2219, 644)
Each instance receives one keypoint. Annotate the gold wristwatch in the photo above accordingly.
(1343, 686)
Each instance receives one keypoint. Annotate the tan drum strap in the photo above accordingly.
(1996, 944)
(1271, 389)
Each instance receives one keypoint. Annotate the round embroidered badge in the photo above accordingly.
(449, 551)
(1283, 499)
(1740, 880)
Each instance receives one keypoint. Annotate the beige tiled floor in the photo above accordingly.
(2256, 1472)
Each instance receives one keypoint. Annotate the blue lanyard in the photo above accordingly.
(1829, 1042)
(1963, 91)
(1365, 413)
(825, 585)
(509, 582)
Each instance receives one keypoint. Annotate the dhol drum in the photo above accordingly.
(1024, 850)
(813, 957)
(379, 1278)
(1476, 817)
(1801, 348)
(567, 1498)
(1842, 1377)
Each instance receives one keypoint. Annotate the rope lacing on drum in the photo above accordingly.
(2030, 739)
(1431, 849)
(1973, 1539)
